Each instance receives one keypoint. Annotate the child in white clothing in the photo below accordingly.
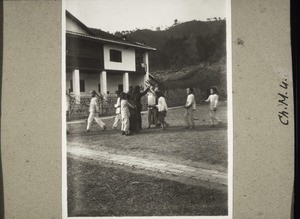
(152, 110)
(190, 107)
(162, 109)
(94, 109)
(118, 111)
(213, 100)
(125, 113)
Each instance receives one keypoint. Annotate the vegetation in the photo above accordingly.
(105, 191)
(188, 54)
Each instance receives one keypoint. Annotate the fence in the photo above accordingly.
(106, 107)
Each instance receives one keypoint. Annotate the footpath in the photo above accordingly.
(162, 169)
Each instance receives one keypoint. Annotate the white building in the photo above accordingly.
(97, 60)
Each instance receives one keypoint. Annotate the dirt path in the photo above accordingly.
(209, 178)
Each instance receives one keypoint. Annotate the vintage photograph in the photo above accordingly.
(146, 108)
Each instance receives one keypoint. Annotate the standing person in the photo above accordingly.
(190, 107)
(213, 99)
(94, 110)
(125, 113)
(152, 109)
(162, 109)
(137, 95)
(133, 111)
(118, 110)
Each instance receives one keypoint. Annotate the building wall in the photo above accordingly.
(91, 82)
(113, 80)
(128, 58)
(72, 26)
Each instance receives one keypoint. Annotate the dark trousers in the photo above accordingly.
(161, 117)
(152, 116)
(132, 121)
(139, 120)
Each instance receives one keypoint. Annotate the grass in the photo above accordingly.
(96, 190)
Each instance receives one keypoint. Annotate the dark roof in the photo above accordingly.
(124, 43)
(103, 36)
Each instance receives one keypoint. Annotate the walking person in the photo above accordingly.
(118, 111)
(190, 107)
(152, 109)
(125, 114)
(94, 110)
(213, 100)
(162, 109)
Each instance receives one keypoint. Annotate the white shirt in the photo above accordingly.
(162, 105)
(191, 101)
(213, 98)
(151, 99)
(93, 105)
(124, 109)
(118, 106)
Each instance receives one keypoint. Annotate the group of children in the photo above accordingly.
(129, 107)
(190, 107)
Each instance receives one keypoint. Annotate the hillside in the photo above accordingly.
(202, 76)
(188, 54)
(189, 29)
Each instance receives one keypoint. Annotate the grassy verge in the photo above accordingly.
(95, 190)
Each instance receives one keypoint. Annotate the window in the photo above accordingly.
(115, 55)
(82, 86)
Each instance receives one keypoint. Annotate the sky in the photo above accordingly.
(118, 15)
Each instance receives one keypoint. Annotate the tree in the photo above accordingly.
(175, 50)
(216, 44)
(175, 22)
(118, 33)
(201, 48)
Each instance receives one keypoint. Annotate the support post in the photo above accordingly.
(103, 82)
(76, 85)
(126, 82)
(146, 61)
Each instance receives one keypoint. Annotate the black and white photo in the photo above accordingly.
(147, 96)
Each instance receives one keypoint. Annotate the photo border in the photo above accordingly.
(229, 128)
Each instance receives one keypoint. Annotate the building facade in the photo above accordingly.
(97, 60)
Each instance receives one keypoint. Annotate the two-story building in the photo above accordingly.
(97, 60)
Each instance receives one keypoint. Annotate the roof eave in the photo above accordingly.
(111, 41)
